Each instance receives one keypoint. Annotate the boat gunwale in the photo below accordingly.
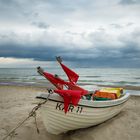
(83, 102)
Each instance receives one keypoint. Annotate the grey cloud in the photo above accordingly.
(60, 13)
(130, 24)
(71, 5)
(101, 29)
(117, 26)
(9, 2)
(9, 9)
(129, 2)
(24, 11)
(41, 25)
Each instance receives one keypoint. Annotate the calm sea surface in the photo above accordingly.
(89, 77)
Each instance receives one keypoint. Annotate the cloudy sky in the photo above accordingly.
(95, 33)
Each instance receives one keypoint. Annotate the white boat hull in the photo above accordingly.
(87, 113)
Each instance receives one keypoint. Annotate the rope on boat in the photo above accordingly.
(31, 114)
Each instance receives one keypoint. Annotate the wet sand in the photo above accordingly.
(16, 102)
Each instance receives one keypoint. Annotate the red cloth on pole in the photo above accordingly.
(72, 86)
(71, 96)
(57, 82)
(73, 77)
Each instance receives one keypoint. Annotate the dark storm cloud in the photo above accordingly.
(128, 56)
(42, 53)
(102, 53)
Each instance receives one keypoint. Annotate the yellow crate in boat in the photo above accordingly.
(117, 91)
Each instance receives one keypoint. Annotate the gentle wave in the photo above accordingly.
(91, 81)
(126, 83)
(115, 77)
(90, 76)
(138, 78)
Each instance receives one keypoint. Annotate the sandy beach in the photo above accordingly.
(16, 102)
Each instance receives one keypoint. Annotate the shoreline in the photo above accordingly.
(133, 90)
(49, 85)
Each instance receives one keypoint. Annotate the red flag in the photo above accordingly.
(70, 96)
(72, 86)
(73, 77)
(57, 82)
(60, 83)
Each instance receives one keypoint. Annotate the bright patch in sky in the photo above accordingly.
(24, 63)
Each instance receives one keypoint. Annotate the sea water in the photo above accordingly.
(90, 78)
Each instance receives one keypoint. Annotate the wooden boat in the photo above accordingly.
(87, 113)
(67, 110)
